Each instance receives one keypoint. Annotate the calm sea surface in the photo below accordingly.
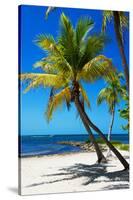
(48, 144)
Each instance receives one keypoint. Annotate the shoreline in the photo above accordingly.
(84, 147)
(50, 155)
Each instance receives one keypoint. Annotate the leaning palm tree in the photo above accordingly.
(111, 95)
(73, 58)
(120, 23)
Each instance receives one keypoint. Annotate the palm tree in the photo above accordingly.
(111, 95)
(73, 58)
(120, 23)
(124, 113)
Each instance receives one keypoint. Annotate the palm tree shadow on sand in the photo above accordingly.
(91, 173)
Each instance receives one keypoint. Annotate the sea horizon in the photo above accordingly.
(69, 134)
(35, 145)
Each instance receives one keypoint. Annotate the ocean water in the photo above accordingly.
(48, 144)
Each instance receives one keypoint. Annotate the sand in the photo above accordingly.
(71, 173)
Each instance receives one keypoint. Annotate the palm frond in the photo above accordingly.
(107, 17)
(46, 80)
(111, 94)
(44, 65)
(120, 76)
(57, 100)
(83, 26)
(91, 48)
(98, 67)
(124, 21)
(66, 38)
(46, 42)
(107, 95)
(54, 51)
(67, 41)
(56, 65)
(96, 43)
(84, 95)
(66, 27)
(103, 95)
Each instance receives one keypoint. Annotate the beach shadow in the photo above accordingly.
(116, 187)
(35, 184)
(91, 173)
(13, 190)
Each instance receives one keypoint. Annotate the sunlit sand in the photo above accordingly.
(73, 172)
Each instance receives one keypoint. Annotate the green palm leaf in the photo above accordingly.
(83, 27)
(90, 48)
(46, 80)
(84, 95)
(55, 52)
(57, 100)
(112, 93)
(107, 17)
(98, 67)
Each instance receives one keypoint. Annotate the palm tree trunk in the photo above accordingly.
(111, 123)
(110, 129)
(99, 153)
(121, 46)
(113, 149)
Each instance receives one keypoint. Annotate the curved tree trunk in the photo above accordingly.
(111, 123)
(99, 153)
(110, 129)
(113, 149)
(121, 46)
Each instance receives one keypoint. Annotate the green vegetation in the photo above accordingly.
(124, 147)
(111, 94)
(117, 144)
(100, 141)
(124, 112)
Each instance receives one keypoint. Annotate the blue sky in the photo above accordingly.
(33, 104)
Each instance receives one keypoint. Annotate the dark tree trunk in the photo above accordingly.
(121, 46)
(113, 149)
(81, 111)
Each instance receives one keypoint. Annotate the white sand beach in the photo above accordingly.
(71, 173)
